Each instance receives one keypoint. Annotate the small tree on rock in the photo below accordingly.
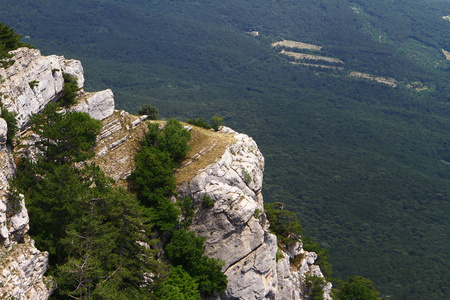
(151, 112)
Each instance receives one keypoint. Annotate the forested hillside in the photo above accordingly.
(364, 165)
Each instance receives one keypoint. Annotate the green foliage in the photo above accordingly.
(207, 202)
(178, 285)
(153, 181)
(14, 203)
(50, 191)
(151, 138)
(246, 176)
(90, 229)
(199, 122)
(70, 88)
(94, 233)
(315, 285)
(283, 223)
(322, 255)
(33, 83)
(187, 250)
(174, 139)
(153, 178)
(105, 246)
(150, 111)
(11, 122)
(279, 255)
(9, 40)
(65, 137)
(187, 210)
(358, 288)
(217, 122)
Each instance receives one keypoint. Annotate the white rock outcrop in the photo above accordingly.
(236, 230)
(26, 88)
(34, 80)
(292, 277)
(99, 105)
(3, 131)
(21, 272)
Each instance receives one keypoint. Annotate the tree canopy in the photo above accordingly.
(65, 137)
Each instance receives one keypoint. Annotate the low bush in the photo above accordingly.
(199, 122)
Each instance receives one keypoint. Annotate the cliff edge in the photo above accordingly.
(224, 169)
(236, 228)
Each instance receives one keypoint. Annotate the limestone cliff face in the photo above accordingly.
(228, 169)
(35, 80)
(26, 88)
(237, 231)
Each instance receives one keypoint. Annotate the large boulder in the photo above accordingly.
(98, 105)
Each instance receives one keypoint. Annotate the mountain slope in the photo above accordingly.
(362, 164)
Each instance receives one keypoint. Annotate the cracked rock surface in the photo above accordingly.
(236, 228)
(35, 80)
(233, 232)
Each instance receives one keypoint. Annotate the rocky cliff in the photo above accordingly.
(236, 228)
(26, 88)
(226, 167)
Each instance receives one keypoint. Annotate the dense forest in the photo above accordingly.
(364, 165)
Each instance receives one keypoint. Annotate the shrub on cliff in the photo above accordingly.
(11, 121)
(199, 122)
(153, 179)
(217, 122)
(358, 288)
(178, 285)
(9, 40)
(283, 223)
(188, 250)
(69, 90)
(151, 112)
(173, 138)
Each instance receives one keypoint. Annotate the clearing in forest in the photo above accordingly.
(298, 45)
(385, 80)
(302, 56)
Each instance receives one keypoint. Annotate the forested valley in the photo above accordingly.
(365, 166)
